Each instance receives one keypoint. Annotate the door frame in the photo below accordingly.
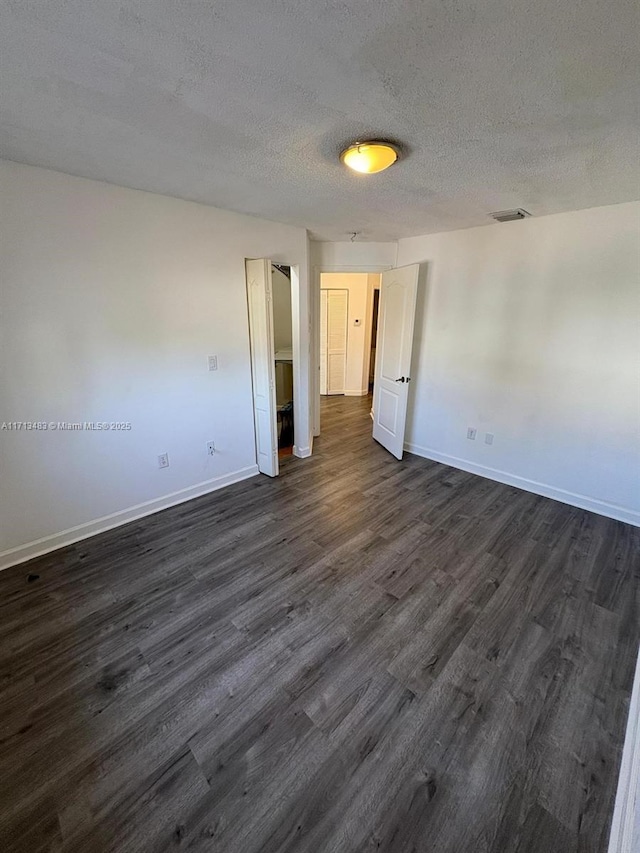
(314, 390)
(299, 321)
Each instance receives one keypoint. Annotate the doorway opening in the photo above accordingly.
(374, 336)
(283, 356)
(385, 353)
(347, 337)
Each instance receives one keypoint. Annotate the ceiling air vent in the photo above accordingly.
(509, 215)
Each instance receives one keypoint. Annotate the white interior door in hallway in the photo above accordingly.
(334, 306)
(397, 309)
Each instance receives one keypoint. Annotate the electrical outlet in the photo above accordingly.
(163, 460)
(213, 362)
(471, 433)
(488, 439)
(211, 448)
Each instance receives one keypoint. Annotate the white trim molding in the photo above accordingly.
(302, 452)
(356, 393)
(619, 513)
(100, 525)
(625, 827)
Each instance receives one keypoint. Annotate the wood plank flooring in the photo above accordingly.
(362, 655)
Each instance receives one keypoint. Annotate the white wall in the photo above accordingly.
(282, 321)
(111, 301)
(625, 824)
(357, 352)
(531, 331)
(347, 256)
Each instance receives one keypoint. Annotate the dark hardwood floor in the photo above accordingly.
(362, 655)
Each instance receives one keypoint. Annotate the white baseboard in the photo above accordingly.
(90, 528)
(302, 452)
(625, 828)
(619, 513)
(356, 393)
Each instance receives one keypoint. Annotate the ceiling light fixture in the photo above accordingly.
(370, 157)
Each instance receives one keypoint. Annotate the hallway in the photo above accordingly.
(361, 655)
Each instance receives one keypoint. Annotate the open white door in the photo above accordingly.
(398, 289)
(263, 363)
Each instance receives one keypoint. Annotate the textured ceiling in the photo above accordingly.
(245, 104)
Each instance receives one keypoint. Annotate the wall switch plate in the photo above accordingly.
(488, 439)
(213, 362)
(471, 433)
(211, 448)
(163, 460)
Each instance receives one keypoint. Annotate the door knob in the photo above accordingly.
(402, 379)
